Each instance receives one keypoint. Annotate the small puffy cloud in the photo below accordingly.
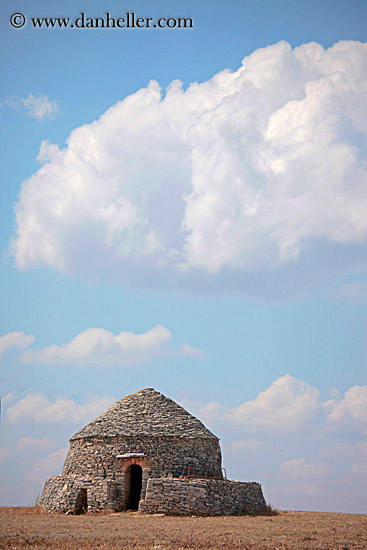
(190, 351)
(15, 340)
(97, 346)
(300, 468)
(253, 180)
(26, 443)
(37, 408)
(311, 489)
(354, 292)
(38, 107)
(4, 454)
(248, 445)
(212, 410)
(50, 465)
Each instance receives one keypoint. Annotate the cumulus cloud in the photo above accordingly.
(289, 405)
(286, 399)
(15, 340)
(39, 107)
(353, 406)
(300, 468)
(254, 170)
(26, 443)
(37, 408)
(98, 346)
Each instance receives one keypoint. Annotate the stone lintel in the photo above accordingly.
(131, 455)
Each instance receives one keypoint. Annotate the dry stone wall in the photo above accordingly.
(202, 497)
(97, 457)
(180, 497)
(63, 494)
(100, 466)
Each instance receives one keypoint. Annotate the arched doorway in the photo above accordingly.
(136, 475)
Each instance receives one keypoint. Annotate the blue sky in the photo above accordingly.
(207, 240)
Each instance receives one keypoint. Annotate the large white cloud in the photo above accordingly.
(17, 339)
(353, 405)
(250, 169)
(287, 401)
(38, 408)
(294, 406)
(98, 346)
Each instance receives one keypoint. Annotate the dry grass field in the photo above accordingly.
(31, 528)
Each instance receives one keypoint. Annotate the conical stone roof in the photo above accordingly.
(145, 412)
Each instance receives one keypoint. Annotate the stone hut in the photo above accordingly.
(148, 453)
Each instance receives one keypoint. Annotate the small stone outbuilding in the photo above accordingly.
(148, 453)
